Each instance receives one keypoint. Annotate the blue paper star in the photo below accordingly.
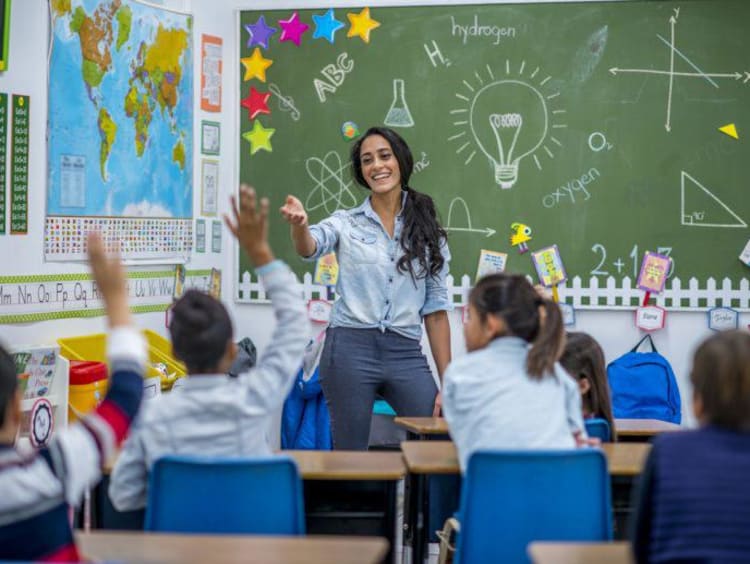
(260, 33)
(326, 26)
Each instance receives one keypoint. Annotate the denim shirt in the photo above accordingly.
(372, 293)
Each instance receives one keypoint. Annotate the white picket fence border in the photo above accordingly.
(594, 295)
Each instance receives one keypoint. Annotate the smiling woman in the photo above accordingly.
(393, 259)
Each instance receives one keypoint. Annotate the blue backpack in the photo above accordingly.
(643, 386)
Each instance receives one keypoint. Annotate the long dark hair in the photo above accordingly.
(525, 314)
(584, 358)
(422, 233)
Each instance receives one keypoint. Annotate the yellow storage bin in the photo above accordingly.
(93, 347)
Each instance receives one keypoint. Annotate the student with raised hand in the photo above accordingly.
(393, 259)
(694, 501)
(38, 489)
(508, 391)
(214, 414)
(583, 359)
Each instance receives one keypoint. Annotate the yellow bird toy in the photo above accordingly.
(521, 234)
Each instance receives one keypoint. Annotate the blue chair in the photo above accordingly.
(188, 494)
(511, 498)
(599, 428)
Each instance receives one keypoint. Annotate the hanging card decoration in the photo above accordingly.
(520, 235)
(723, 318)
(549, 268)
(650, 318)
(745, 254)
(319, 311)
(490, 262)
(326, 270)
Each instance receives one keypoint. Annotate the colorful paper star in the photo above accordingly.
(292, 29)
(361, 24)
(260, 33)
(256, 102)
(326, 26)
(256, 65)
(259, 138)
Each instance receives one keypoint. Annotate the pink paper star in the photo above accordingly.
(292, 29)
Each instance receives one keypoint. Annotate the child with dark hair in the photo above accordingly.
(39, 488)
(214, 414)
(694, 503)
(509, 392)
(583, 358)
(393, 260)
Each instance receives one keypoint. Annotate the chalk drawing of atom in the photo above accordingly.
(332, 182)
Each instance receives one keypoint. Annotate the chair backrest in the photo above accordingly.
(599, 428)
(511, 498)
(225, 495)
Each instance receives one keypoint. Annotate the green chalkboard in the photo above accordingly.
(605, 139)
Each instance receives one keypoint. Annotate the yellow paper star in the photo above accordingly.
(362, 24)
(259, 137)
(256, 65)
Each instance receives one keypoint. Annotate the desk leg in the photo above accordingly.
(390, 519)
(417, 515)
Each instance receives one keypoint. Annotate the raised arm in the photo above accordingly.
(79, 452)
(269, 382)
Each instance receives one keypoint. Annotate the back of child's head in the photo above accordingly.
(721, 380)
(584, 358)
(525, 314)
(200, 331)
(8, 382)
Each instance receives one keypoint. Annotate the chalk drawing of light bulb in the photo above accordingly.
(507, 119)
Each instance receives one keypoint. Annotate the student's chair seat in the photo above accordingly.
(511, 498)
(189, 494)
(599, 428)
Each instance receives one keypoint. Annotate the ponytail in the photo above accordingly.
(422, 236)
(525, 314)
(548, 345)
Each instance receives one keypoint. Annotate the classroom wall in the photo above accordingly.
(23, 254)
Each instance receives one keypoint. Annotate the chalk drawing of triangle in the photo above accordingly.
(704, 209)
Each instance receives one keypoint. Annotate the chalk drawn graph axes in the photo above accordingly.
(488, 231)
(671, 73)
(689, 220)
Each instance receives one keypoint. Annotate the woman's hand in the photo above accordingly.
(294, 212)
(438, 405)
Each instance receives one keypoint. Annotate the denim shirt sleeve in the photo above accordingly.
(326, 235)
(436, 291)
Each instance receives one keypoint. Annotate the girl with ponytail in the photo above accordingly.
(393, 259)
(509, 392)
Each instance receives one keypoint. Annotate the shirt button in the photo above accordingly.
(392, 259)
(387, 302)
(390, 279)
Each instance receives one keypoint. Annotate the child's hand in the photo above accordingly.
(109, 276)
(582, 441)
(250, 225)
(294, 212)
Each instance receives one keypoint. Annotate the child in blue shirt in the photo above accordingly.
(694, 503)
(509, 392)
(214, 414)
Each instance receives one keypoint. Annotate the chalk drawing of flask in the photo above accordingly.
(399, 114)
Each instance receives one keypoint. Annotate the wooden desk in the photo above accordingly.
(440, 457)
(580, 553)
(168, 548)
(642, 429)
(423, 458)
(348, 465)
(627, 429)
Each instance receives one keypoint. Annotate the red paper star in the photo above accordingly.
(256, 103)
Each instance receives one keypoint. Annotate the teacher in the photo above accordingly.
(393, 259)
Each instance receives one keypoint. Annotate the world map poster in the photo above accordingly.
(120, 130)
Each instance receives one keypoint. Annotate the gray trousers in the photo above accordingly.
(357, 364)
